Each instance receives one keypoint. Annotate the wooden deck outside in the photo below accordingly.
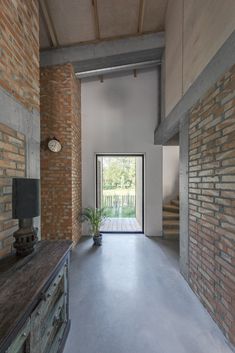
(121, 225)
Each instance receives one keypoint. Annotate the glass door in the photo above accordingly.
(119, 190)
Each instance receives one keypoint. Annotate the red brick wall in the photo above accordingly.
(212, 202)
(19, 50)
(12, 164)
(76, 159)
(60, 172)
(19, 75)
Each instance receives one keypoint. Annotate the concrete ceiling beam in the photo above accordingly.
(132, 47)
(118, 60)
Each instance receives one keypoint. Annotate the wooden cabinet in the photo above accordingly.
(50, 317)
(39, 322)
(21, 342)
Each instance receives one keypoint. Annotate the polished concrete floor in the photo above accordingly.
(129, 297)
(121, 225)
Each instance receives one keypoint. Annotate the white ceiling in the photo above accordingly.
(77, 21)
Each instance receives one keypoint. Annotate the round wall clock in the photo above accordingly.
(54, 145)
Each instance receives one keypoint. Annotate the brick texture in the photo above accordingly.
(12, 164)
(76, 159)
(60, 172)
(19, 50)
(212, 202)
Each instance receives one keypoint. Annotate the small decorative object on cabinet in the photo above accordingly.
(34, 316)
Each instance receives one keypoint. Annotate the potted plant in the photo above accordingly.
(95, 217)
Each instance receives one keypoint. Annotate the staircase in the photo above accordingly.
(171, 220)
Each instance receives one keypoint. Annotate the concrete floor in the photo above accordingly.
(129, 297)
(121, 225)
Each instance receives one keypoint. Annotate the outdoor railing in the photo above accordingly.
(118, 201)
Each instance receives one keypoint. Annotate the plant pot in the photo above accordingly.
(97, 240)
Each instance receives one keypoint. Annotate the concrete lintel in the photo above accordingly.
(117, 60)
(83, 52)
(220, 63)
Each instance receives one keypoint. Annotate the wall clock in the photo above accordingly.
(54, 145)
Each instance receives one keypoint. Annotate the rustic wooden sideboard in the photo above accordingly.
(34, 316)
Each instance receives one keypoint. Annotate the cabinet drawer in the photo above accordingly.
(53, 324)
(21, 342)
(59, 281)
(49, 314)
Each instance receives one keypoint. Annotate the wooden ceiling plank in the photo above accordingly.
(141, 16)
(49, 23)
(96, 18)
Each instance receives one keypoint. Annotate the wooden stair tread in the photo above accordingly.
(171, 231)
(171, 221)
(174, 225)
(171, 208)
(175, 203)
(171, 234)
(170, 215)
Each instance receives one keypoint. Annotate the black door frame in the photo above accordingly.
(96, 182)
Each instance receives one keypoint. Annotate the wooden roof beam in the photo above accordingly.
(49, 23)
(96, 19)
(141, 16)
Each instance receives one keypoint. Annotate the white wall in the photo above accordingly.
(170, 171)
(119, 116)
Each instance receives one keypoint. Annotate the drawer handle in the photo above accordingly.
(57, 320)
(43, 296)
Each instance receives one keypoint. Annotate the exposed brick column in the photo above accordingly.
(212, 202)
(61, 172)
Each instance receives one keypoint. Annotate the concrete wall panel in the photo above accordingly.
(173, 54)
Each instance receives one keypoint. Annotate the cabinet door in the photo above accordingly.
(21, 342)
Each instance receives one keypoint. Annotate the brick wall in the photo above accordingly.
(19, 50)
(212, 202)
(19, 116)
(60, 172)
(76, 159)
(12, 164)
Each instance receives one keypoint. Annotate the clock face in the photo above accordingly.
(54, 145)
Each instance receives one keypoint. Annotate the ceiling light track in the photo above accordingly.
(119, 68)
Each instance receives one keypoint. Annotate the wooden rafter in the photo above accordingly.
(141, 16)
(96, 18)
(49, 23)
